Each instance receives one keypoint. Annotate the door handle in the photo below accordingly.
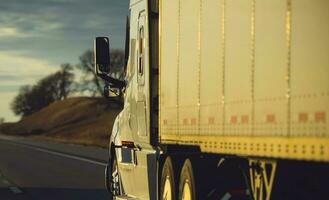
(129, 121)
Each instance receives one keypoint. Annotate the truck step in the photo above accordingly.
(125, 198)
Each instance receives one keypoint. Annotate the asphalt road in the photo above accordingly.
(34, 170)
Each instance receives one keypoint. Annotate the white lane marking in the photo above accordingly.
(70, 156)
(227, 196)
(62, 154)
(16, 190)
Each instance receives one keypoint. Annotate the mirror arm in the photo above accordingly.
(115, 82)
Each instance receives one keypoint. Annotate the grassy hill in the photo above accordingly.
(79, 120)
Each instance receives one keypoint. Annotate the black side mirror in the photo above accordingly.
(102, 55)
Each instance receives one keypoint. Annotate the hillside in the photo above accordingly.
(79, 120)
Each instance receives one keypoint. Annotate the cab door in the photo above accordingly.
(145, 156)
(139, 175)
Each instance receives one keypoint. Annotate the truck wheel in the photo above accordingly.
(112, 178)
(167, 190)
(107, 181)
(187, 182)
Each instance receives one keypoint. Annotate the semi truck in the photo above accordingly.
(223, 99)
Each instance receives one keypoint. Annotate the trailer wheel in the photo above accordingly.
(167, 190)
(187, 182)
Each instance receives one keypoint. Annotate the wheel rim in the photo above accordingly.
(187, 195)
(167, 190)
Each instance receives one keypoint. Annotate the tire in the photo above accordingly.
(187, 189)
(107, 181)
(167, 186)
(112, 178)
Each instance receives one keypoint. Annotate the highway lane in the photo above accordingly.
(30, 171)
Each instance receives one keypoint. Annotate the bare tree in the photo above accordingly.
(65, 78)
(52, 88)
(89, 81)
(23, 102)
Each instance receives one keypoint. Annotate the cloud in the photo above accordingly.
(58, 18)
(11, 32)
(17, 70)
(60, 30)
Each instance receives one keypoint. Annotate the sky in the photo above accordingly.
(36, 36)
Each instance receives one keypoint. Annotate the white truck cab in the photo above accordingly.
(130, 143)
(223, 99)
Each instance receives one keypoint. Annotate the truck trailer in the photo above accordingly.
(223, 99)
